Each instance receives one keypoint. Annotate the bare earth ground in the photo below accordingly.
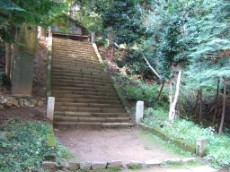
(177, 169)
(93, 144)
(23, 114)
(112, 144)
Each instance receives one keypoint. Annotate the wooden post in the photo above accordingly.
(224, 108)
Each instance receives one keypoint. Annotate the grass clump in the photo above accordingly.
(134, 167)
(23, 146)
(218, 150)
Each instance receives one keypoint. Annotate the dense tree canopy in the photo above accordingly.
(123, 19)
(36, 12)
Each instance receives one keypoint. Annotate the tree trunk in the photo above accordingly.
(197, 100)
(216, 99)
(111, 37)
(160, 92)
(8, 59)
(201, 106)
(172, 111)
(224, 108)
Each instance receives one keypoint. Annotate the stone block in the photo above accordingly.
(99, 165)
(74, 166)
(113, 164)
(201, 146)
(12, 101)
(152, 163)
(85, 165)
(184, 160)
(50, 108)
(49, 165)
(40, 103)
(65, 166)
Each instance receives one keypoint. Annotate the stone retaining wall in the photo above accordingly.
(19, 101)
(65, 166)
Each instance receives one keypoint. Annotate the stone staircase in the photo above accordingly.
(83, 90)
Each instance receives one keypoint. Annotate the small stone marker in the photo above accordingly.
(139, 111)
(201, 147)
(50, 109)
(93, 37)
(99, 165)
(113, 164)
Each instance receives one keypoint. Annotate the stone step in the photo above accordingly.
(79, 75)
(90, 114)
(67, 104)
(75, 51)
(98, 124)
(87, 100)
(75, 61)
(89, 109)
(60, 41)
(76, 97)
(76, 86)
(71, 45)
(77, 82)
(82, 91)
(58, 47)
(78, 69)
(82, 80)
(67, 93)
(77, 58)
(90, 119)
(76, 65)
(83, 73)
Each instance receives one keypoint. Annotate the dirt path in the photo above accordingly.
(177, 169)
(112, 144)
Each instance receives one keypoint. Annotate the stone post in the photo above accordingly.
(139, 111)
(50, 109)
(93, 37)
(201, 147)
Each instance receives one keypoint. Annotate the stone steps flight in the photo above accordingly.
(83, 91)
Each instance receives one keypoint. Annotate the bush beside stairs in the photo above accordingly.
(83, 91)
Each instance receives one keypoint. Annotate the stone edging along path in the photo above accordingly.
(53, 166)
(8, 101)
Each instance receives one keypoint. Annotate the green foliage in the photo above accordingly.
(134, 167)
(25, 147)
(36, 12)
(121, 19)
(145, 92)
(209, 38)
(4, 80)
(218, 151)
(125, 19)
